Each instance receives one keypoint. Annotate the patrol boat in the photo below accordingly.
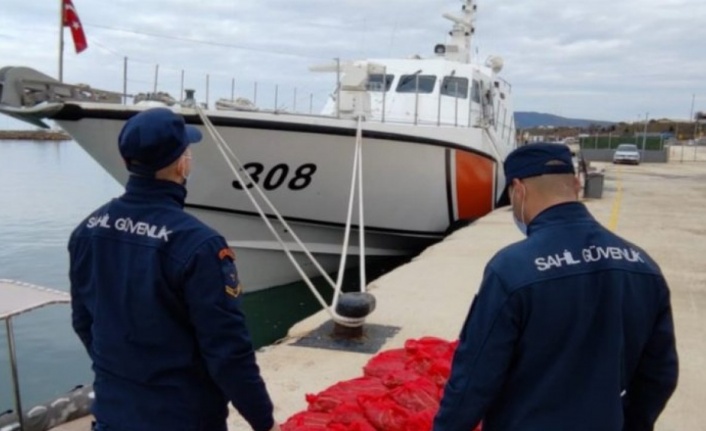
(433, 133)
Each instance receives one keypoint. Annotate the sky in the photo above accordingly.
(611, 60)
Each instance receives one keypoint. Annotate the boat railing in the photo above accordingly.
(447, 110)
(38, 91)
(442, 111)
(455, 108)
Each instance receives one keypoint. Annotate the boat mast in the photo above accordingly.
(459, 47)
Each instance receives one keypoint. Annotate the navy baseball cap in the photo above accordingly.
(153, 139)
(533, 160)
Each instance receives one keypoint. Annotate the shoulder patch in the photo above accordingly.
(234, 291)
(232, 285)
(226, 252)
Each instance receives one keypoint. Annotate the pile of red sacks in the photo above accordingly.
(400, 391)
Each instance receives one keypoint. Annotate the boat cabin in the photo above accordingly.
(434, 92)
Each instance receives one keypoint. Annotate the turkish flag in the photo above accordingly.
(71, 20)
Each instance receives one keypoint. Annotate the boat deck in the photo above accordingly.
(660, 207)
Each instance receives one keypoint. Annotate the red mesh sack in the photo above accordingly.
(349, 414)
(344, 392)
(417, 395)
(356, 426)
(307, 421)
(431, 357)
(400, 391)
(421, 421)
(386, 362)
(439, 371)
(430, 345)
(397, 378)
(384, 413)
(349, 417)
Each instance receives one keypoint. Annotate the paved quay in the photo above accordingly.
(660, 207)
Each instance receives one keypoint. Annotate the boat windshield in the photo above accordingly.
(416, 83)
(475, 91)
(455, 87)
(378, 81)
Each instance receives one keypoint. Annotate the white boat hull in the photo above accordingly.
(414, 187)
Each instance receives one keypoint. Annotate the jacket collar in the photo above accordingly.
(151, 190)
(564, 213)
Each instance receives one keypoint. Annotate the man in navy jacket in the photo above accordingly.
(156, 298)
(571, 328)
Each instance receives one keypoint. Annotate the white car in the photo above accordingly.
(627, 153)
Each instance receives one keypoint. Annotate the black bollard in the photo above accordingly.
(354, 305)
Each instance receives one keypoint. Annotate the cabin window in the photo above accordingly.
(475, 91)
(416, 84)
(377, 80)
(455, 87)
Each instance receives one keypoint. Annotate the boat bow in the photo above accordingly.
(32, 96)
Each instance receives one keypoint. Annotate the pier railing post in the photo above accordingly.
(156, 77)
(338, 88)
(416, 99)
(276, 96)
(208, 90)
(456, 106)
(13, 367)
(384, 91)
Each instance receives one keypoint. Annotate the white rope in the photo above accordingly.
(361, 221)
(225, 152)
(223, 147)
(357, 174)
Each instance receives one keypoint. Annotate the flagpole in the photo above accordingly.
(61, 40)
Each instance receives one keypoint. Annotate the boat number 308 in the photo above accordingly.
(278, 176)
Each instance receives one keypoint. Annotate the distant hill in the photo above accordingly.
(529, 120)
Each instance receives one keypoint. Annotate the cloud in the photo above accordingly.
(600, 59)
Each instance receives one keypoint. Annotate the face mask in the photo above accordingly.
(184, 175)
(520, 223)
(521, 226)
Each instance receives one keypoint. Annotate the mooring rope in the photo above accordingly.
(237, 167)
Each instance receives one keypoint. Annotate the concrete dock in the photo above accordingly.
(660, 207)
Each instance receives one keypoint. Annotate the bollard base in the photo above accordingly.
(347, 332)
(372, 339)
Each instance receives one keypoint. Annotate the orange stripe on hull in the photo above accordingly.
(474, 185)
